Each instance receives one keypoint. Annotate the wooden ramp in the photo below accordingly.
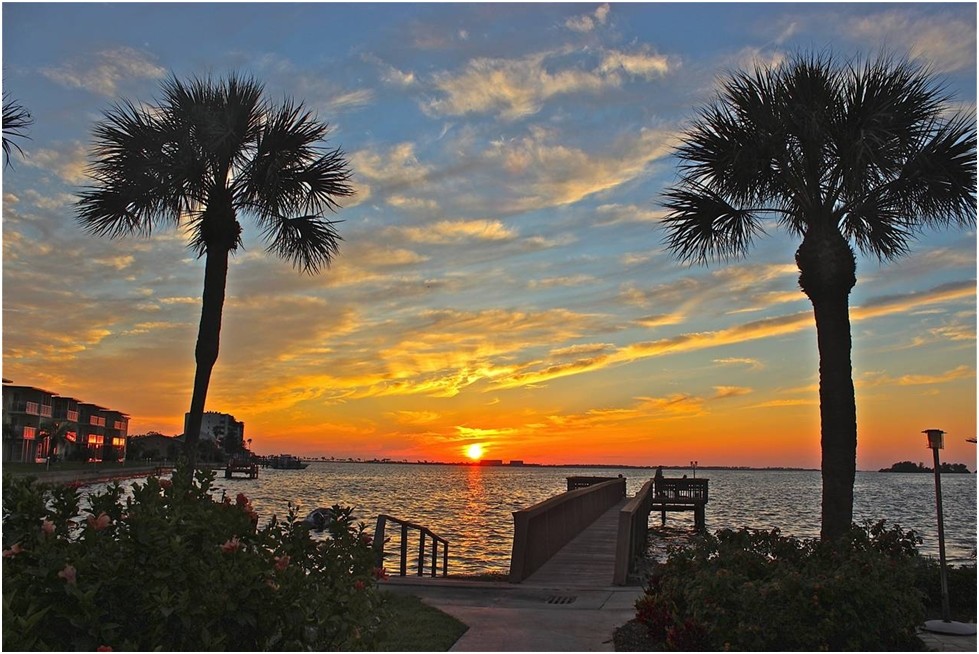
(587, 561)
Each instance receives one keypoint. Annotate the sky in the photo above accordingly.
(502, 279)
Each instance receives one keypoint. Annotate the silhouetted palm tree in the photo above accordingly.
(16, 120)
(205, 153)
(860, 153)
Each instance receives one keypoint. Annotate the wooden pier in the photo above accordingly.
(246, 468)
(593, 535)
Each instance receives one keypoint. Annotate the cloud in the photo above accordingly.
(955, 374)
(70, 163)
(588, 22)
(106, 70)
(455, 231)
(751, 364)
(519, 87)
(724, 392)
(541, 172)
(938, 38)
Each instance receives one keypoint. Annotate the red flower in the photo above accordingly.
(359, 584)
(241, 500)
(379, 573)
(14, 550)
(281, 562)
(103, 648)
(69, 574)
(100, 523)
(231, 545)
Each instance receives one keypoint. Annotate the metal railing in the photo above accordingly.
(424, 534)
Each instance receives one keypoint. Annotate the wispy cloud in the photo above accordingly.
(106, 70)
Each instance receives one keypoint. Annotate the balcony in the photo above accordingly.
(46, 410)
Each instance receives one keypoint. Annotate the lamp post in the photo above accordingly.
(693, 464)
(936, 441)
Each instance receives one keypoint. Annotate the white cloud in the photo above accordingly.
(110, 68)
(944, 43)
(588, 22)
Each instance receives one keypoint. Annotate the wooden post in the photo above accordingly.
(435, 557)
(421, 552)
(404, 550)
(378, 543)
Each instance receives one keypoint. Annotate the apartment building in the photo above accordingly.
(221, 429)
(38, 423)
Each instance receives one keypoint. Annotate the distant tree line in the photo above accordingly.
(908, 466)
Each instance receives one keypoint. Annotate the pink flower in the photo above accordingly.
(100, 523)
(47, 527)
(241, 500)
(103, 648)
(231, 545)
(69, 574)
(14, 550)
(379, 573)
(359, 584)
(281, 562)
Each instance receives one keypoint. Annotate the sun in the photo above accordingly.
(475, 451)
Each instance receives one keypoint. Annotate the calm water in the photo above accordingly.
(472, 506)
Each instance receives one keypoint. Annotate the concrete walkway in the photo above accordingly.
(505, 617)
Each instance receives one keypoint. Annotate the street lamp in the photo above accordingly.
(936, 441)
(693, 464)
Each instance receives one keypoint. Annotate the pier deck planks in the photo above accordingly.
(588, 561)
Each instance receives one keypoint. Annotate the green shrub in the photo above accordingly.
(758, 590)
(961, 589)
(174, 568)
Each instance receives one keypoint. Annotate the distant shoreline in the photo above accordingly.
(597, 466)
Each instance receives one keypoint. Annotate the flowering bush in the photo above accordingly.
(173, 568)
(758, 590)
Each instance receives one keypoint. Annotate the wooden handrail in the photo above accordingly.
(424, 532)
(633, 527)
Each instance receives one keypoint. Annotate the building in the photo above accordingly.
(38, 424)
(221, 429)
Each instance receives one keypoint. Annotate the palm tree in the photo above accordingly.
(16, 120)
(207, 151)
(56, 432)
(859, 154)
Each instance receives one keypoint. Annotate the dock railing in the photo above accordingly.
(424, 534)
(681, 489)
(633, 528)
(543, 529)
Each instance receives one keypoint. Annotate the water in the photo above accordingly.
(472, 506)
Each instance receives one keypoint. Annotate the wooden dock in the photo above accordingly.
(246, 468)
(588, 561)
(596, 548)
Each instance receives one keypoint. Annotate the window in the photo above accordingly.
(118, 442)
(29, 433)
(95, 440)
(32, 408)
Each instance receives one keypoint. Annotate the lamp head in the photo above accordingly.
(936, 438)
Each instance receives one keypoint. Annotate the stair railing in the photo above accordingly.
(424, 534)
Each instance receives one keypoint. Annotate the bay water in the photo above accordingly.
(472, 506)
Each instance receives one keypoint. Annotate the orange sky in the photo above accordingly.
(502, 279)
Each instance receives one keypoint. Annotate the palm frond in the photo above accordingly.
(16, 120)
(702, 227)
(309, 242)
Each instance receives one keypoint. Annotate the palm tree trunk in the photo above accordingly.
(208, 339)
(828, 273)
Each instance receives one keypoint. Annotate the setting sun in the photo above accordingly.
(475, 451)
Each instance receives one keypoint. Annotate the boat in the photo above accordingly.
(286, 462)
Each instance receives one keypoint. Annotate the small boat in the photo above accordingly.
(287, 462)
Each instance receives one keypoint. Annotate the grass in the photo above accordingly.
(413, 626)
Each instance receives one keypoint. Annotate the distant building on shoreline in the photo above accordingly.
(221, 429)
(38, 424)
